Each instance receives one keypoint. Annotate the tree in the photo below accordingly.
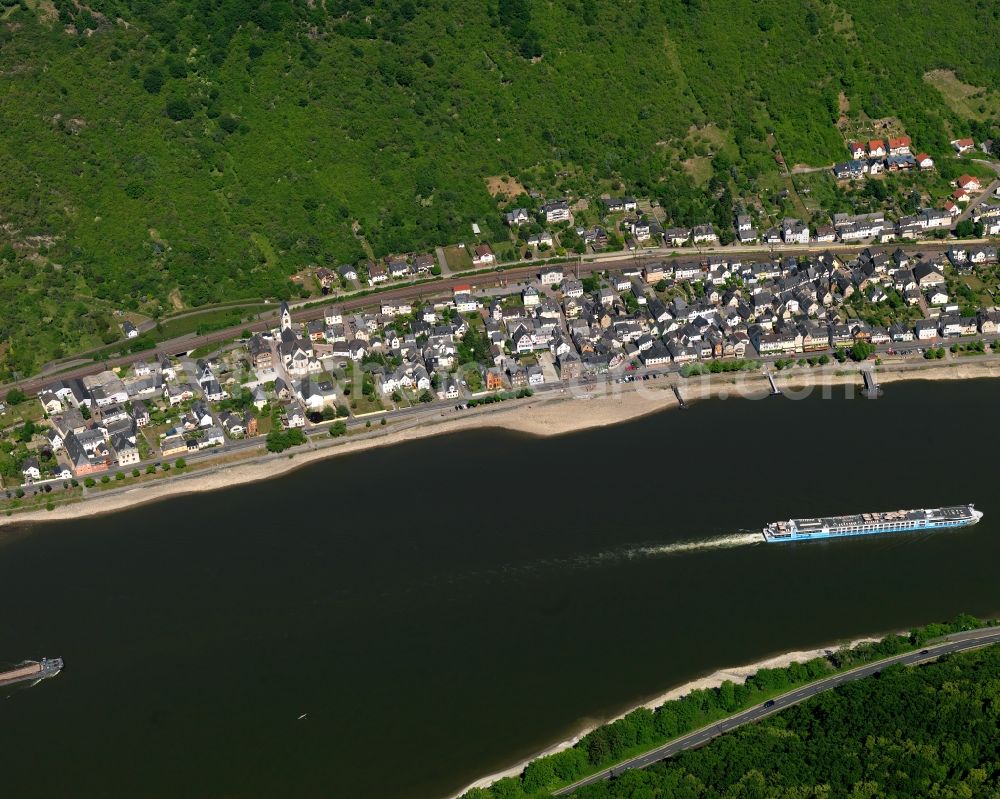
(338, 429)
(179, 109)
(180, 463)
(153, 80)
(119, 475)
(862, 350)
(426, 396)
(965, 229)
(538, 776)
(135, 472)
(15, 396)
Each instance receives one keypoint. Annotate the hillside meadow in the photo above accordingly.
(159, 156)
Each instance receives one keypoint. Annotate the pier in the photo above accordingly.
(872, 388)
(775, 391)
(677, 393)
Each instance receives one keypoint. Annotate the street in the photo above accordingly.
(957, 642)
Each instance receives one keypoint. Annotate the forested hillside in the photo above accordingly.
(927, 731)
(164, 155)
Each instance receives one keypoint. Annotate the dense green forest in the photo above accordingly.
(925, 731)
(641, 730)
(166, 154)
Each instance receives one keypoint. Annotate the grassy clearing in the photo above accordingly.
(209, 320)
(970, 102)
(458, 258)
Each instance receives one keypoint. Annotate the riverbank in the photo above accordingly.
(735, 674)
(549, 415)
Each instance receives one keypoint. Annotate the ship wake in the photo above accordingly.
(732, 541)
(631, 552)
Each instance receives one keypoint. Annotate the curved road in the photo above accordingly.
(957, 642)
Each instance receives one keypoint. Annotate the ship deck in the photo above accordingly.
(950, 513)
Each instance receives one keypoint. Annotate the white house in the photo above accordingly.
(704, 234)
(517, 217)
(969, 183)
(483, 255)
(30, 470)
(557, 211)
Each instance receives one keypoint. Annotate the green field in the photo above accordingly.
(162, 156)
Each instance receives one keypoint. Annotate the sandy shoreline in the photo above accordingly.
(736, 674)
(549, 416)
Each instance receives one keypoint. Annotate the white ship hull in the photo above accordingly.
(901, 521)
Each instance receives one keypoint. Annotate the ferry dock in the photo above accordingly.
(680, 399)
(775, 391)
(872, 388)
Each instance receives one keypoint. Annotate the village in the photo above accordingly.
(474, 346)
(664, 300)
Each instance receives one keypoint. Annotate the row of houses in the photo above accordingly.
(774, 306)
(94, 422)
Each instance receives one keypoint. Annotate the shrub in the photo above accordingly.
(135, 472)
(105, 479)
(89, 482)
(119, 475)
(180, 463)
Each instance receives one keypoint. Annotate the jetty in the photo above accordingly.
(677, 393)
(872, 388)
(775, 391)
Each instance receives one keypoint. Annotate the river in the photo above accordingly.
(443, 608)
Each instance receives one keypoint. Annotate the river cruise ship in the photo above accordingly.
(894, 521)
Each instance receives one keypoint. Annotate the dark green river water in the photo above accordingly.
(444, 608)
